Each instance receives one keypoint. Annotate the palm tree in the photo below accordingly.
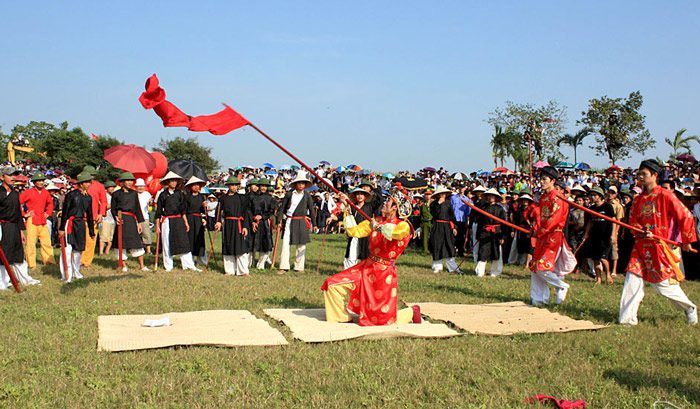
(575, 140)
(679, 142)
(499, 145)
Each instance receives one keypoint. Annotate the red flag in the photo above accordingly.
(94, 137)
(219, 123)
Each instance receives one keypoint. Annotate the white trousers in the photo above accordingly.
(496, 266)
(263, 259)
(236, 265)
(21, 271)
(299, 257)
(73, 264)
(351, 260)
(132, 253)
(449, 262)
(185, 259)
(539, 287)
(633, 294)
(475, 250)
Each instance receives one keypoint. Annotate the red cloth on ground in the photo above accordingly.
(560, 403)
(219, 123)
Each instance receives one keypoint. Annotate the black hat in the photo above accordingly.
(560, 183)
(651, 164)
(550, 171)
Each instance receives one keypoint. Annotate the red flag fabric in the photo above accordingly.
(219, 123)
(94, 137)
(559, 403)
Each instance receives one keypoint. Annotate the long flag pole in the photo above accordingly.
(307, 167)
(498, 219)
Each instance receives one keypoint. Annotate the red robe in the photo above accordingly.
(374, 292)
(548, 231)
(652, 259)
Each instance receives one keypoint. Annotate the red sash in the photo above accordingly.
(307, 219)
(452, 225)
(69, 223)
(491, 228)
(239, 219)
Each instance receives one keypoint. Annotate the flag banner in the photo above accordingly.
(220, 123)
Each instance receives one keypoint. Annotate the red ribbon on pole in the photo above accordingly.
(498, 219)
(622, 224)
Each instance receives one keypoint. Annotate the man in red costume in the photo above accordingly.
(652, 260)
(371, 284)
(553, 259)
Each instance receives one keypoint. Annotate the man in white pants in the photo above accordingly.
(652, 260)
(235, 221)
(298, 210)
(11, 235)
(76, 224)
(172, 225)
(553, 259)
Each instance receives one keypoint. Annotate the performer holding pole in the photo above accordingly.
(297, 210)
(372, 284)
(234, 219)
(128, 216)
(76, 225)
(14, 269)
(172, 225)
(653, 212)
(553, 259)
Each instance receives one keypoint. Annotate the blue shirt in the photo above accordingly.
(461, 210)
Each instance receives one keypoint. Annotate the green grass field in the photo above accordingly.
(48, 346)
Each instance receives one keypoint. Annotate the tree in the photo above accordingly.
(541, 125)
(619, 126)
(69, 149)
(509, 143)
(679, 142)
(181, 148)
(574, 140)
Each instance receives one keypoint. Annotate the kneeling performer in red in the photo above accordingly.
(371, 284)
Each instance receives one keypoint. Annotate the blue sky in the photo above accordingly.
(387, 85)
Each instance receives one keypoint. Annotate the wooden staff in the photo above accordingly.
(211, 246)
(62, 242)
(622, 224)
(277, 240)
(120, 263)
(10, 271)
(158, 227)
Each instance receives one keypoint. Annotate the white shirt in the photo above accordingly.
(144, 198)
(108, 217)
(296, 198)
(211, 208)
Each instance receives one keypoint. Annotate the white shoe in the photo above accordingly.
(561, 296)
(78, 276)
(144, 268)
(435, 271)
(194, 269)
(692, 316)
(125, 269)
(35, 282)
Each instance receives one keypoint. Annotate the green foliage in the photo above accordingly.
(619, 126)
(679, 142)
(545, 124)
(4, 138)
(574, 140)
(67, 148)
(509, 143)
(181, 148)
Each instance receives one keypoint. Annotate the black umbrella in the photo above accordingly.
(459, 176)
(411, 183)
(187, 168)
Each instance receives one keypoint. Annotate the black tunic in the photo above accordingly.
(195, 210)
(127, 201)
(442, 240)
(12, 224)
(489, 232)
(77, 207)
(171, 206)
(523, 244)
(598, 244)
(233, 242)
(299, 233)
(362, 242)
(262, 206)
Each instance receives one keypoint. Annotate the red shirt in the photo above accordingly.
(38, 201)
(99, 199)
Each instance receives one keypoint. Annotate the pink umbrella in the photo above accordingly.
(540, 164)
(131, 158)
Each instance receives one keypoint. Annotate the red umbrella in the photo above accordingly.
(131, 158)
(501, 169)
(613, 168)
(686, 157)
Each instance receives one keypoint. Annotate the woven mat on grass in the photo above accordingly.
(309, 325)
(506, 318)
(226, 328)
